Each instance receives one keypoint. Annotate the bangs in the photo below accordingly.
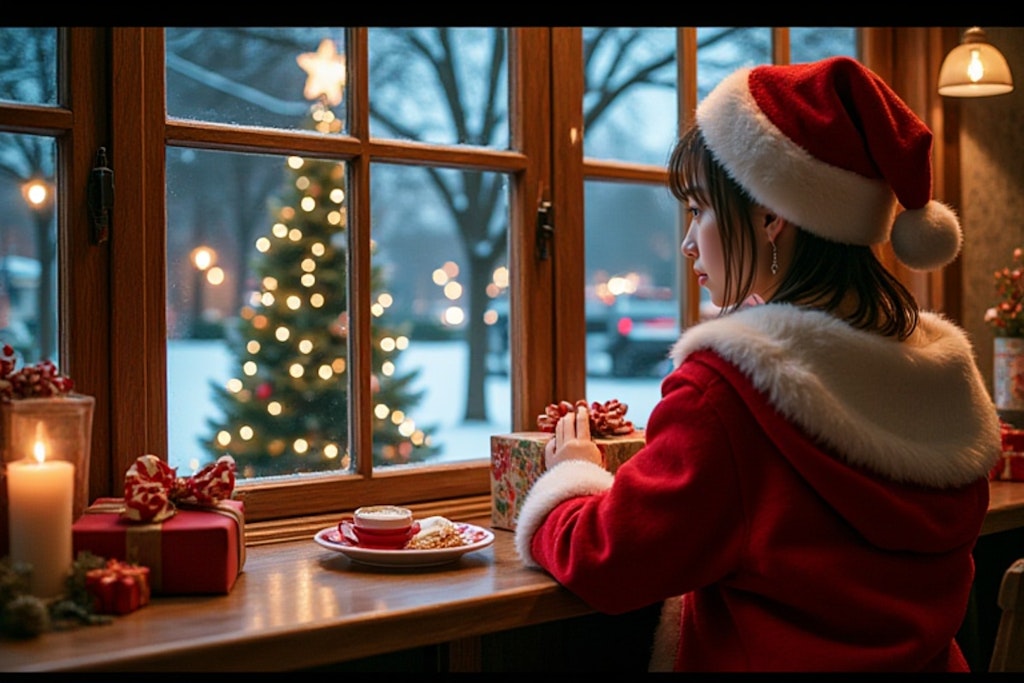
(688, 166)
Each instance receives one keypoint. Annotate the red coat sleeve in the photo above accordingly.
(672, 519)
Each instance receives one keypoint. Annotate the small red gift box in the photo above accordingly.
(199, 550)
(119, 588)
(1010, 466)
(1013, 439)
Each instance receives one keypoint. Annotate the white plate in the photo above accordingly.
(478, 538)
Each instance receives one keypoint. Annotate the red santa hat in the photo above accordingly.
(830, 147)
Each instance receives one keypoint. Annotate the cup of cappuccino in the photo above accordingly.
(380, 526)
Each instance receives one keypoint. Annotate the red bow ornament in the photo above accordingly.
(606, 419)
(152, 487)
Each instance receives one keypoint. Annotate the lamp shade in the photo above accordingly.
(974, 68)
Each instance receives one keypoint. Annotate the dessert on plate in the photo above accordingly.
(436, 532)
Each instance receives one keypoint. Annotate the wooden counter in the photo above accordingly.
(1005, 507)
(298, 605)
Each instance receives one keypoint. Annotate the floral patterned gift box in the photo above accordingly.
(517, 459)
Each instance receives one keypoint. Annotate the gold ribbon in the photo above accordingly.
(143, 541)
(142, 546)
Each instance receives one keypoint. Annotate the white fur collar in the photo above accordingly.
(916, 411)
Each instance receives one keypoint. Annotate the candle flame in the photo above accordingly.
(39, 450)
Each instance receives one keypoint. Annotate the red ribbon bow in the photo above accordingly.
(152, 487)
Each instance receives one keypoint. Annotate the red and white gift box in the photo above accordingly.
(186, 530)
(1010, 466)
(199, 550)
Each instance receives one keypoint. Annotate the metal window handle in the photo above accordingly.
(545, 230)
(101, 197)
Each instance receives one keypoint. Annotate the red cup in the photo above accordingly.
(384, 527)
(377, 540)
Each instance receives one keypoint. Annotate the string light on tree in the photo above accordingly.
(286, 409)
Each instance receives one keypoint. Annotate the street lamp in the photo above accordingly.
(204, 260)
(38, 195)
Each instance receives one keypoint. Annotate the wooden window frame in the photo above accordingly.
(141, 135)
(113, 294)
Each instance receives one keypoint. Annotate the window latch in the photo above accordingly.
(545, 230)
(101, 197)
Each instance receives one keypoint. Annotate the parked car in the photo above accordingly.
(641, 330)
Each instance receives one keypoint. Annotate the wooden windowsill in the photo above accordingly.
(1005, 507)
(298, 605)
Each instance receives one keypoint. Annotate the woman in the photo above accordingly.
(814, 477)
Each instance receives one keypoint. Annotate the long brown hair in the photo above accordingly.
(823, 274)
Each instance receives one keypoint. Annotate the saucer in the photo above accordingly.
(476, 537)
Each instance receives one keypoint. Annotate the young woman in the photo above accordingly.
(814, 477)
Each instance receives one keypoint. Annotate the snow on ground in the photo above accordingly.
(192, 364)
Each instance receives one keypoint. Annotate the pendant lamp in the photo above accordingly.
(975, 68)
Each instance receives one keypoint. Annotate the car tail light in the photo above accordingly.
(625, 326)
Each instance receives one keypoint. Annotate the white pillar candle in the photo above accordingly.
(39, 496)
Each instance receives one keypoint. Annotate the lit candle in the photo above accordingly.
(39, 495)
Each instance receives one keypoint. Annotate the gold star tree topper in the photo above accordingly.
(326, 69)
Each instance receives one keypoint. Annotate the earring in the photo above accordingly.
(775, 258)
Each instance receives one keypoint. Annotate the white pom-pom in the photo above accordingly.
(927, 238)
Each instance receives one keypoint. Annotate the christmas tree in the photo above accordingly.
(287, 409)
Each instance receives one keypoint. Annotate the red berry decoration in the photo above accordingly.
(41, 380)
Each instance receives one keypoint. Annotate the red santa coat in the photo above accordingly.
(807, 499)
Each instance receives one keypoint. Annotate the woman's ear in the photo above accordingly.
(773, 225)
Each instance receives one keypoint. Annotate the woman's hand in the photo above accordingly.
(572, 440)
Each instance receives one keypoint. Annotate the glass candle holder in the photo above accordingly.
(64, 423)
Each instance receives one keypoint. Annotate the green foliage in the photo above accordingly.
(23, 615)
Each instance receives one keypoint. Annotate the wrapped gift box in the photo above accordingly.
(1011, 465)
(197, 551)
(119, 588)
(1009, 468)
(517, 461)
(1013, 439)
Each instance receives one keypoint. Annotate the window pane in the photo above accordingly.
(257, 312)
(441, 254)
(440, 85)
(28, 65)
(632, 303)
(810, 44)
(630, 99)
(722, 50)
(255, 76)
(28, 247)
